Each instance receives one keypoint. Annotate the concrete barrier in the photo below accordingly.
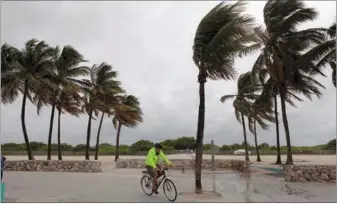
(54, 166)
(237, 165)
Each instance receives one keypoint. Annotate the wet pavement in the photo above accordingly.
(123, 185)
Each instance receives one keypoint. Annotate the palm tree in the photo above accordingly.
(90, 105)
(32, 66)
(102, 81)
(98, 134)
(268, 94)
(108, 102)
(260, 111)
(242, 104)
(10, 85)
(66, 70)
(68, 101)
(128, 113)
(281, 53)
(324, 53)
(105, 108)
(219, 38)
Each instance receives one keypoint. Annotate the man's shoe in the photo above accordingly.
(155, 191)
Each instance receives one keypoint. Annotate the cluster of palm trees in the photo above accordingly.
(286, 67)
(52, 76)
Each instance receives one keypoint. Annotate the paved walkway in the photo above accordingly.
(123, 185)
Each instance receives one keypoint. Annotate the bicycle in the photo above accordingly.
(168, 184)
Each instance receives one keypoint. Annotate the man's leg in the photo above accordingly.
(154, 183)
(160, 173)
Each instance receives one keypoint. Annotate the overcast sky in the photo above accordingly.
(150, 45)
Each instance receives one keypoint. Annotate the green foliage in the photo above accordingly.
(184, 143)
(169, 143)
(80, 147)
(142, 145)
(209, 147)
(225, 148)
(106, 148)
(167, 149)
(331, 145)
(263, 146)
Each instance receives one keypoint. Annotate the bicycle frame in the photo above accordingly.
(162, 179)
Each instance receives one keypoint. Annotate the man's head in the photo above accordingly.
(158, 147)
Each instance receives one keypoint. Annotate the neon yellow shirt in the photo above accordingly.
(152, 158)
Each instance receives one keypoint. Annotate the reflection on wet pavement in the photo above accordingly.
(261, 188)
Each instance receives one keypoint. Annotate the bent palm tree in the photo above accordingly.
(68, 102)
(106, 107)
(281, 53)
(102, 81)
(242, 104)
(260, 111)
(32, 67)
(219, 38)
(127, 113)
(66, 70)
(324, 53)
(270, 93)
(10, 85)
(109, 100)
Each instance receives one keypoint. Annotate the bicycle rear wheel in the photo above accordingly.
(146, 183)
(170, 190)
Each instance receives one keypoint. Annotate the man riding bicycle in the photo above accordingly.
(152, 166)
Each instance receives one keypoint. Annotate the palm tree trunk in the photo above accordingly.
(23, 122)
(333, 75)
(278, 159)
(59, 135)
(200, 136)
(286, 127)
(98, 133)
(51, 130)
(88, 137)
(258, 159)
(245, 137)
(117, 140)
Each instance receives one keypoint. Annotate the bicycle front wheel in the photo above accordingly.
(146, 183)
(170, 190)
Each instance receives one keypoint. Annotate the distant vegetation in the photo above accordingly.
(170, 147)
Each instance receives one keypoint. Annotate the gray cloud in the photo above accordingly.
(150, 44)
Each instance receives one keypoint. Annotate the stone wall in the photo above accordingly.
(54, 166)
(237, 165)
(309, 173)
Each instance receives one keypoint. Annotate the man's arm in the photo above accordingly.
(162, 155)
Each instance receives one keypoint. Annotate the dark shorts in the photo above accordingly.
(150, 170)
